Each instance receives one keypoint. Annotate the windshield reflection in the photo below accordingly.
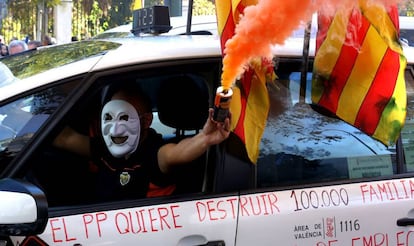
(32, 62)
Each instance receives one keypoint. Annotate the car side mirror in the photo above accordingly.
(23, 208)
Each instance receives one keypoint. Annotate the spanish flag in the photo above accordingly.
(250, 100)
(358, 72)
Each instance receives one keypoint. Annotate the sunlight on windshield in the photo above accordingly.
(33, 62)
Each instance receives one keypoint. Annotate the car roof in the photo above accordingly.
(156, 48)
(406, 22)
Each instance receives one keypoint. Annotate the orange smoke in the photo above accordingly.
(271, 22)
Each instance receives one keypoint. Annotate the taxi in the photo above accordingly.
(318, 181)
(200, 24)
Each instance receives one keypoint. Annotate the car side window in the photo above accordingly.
(180, 98)
(22, 118)
(302, 144)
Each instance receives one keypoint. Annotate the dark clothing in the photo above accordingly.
(118, 178)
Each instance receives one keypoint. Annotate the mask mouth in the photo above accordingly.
(119, 140)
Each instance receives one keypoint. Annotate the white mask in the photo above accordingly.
(120, 127)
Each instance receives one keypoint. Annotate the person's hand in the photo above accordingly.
(216, 132)
(188, 149)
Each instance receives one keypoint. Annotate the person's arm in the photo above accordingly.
(73, 141)
(189, 149)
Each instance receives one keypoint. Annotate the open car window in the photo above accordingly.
(170, 93)
(21, 119)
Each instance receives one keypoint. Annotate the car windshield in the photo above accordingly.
(22, 118)
(33, 62)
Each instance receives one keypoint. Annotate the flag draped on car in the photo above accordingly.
(250, 100)
(358, 72)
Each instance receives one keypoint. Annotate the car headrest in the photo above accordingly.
(183, 102)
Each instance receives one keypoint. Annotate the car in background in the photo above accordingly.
(202, 24)
(407, 30)
(318, 181)
(407, 34)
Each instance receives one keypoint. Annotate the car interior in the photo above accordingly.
(183, 103)
(181, 99)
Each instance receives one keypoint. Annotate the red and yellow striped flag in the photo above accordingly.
(228, 15)
(359, 70)
(250, 101)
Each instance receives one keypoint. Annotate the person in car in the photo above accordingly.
(131, 157)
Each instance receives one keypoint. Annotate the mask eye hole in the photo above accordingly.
(107, 117)
(124, 117)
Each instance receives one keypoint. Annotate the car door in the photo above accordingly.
(323, 182)
(193, 221)
(189, 217)
(366, 213)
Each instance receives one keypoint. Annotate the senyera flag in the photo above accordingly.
(359, 70)
(250, 100)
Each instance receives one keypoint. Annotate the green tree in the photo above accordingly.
(120, 13)
(22, 17)
(204, 7)
(407, 8)
(90, 17)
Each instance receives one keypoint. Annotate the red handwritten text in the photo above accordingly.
(147, 220)
(58, 226)
(388, 191)
(329, 243)
(264, 204)
(402, 238)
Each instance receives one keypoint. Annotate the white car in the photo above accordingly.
(318, 180)
(200, 25)
(407, 30)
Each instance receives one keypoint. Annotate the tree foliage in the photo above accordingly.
(94, 16)
(407, 8)
(204, 7)
(89, 16)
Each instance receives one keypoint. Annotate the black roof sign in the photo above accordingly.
(154, 20)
